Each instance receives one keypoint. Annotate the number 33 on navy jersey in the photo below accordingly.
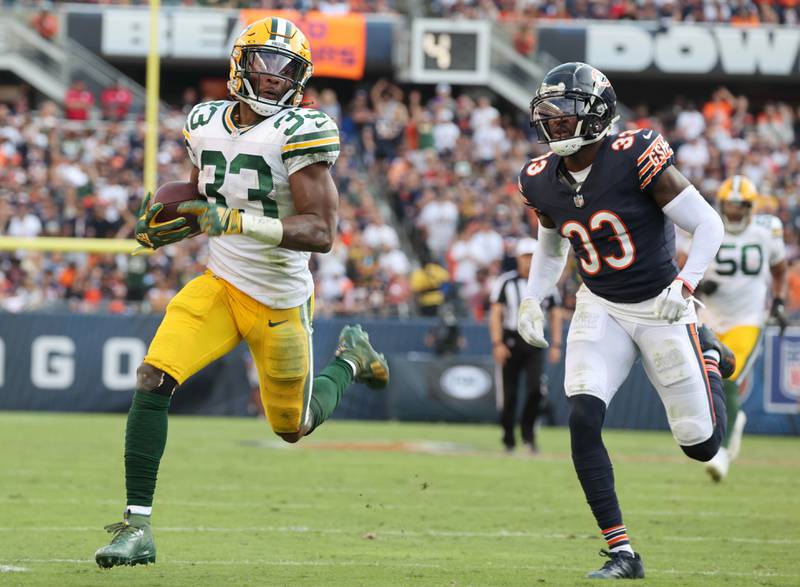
(625, 246)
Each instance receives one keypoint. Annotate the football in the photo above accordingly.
(171, 195)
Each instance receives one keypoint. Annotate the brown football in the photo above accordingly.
(171, 195)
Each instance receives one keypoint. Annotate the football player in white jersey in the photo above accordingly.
(750, 264)
(263, 163)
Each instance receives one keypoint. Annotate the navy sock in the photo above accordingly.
(591, 460)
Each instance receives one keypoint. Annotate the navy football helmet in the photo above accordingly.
(574, 106)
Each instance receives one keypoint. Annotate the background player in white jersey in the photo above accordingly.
(263, 164)
(735, 291)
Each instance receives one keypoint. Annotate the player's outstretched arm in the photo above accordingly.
(546, 268)
(777, 311)
(682, 203)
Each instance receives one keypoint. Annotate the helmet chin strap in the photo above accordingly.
(736, 227)
(567, 147)
(261, 108)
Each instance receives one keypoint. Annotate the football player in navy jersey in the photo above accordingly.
(615, 199)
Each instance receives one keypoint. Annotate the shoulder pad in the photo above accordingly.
(651, 152)
(533, 168)
(309, 136)
(772, 223)
(295, 122)
(202, 114)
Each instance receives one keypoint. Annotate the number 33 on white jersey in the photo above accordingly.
(249, 169)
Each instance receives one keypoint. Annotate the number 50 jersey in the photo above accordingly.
(623, 243)
(741, 270)
(249, 169)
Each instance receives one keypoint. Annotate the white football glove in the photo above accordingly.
(530, 323)
(670, 303)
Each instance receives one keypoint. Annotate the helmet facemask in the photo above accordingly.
(569, 120)
(741, 219)
(257, 73)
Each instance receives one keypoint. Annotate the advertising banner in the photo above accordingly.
(338, 42)
(88, 363)
(649, 48)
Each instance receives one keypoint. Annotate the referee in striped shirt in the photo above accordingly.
(513, 356)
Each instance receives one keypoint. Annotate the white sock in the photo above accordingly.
(712, 354)
(140, 510)
(624, 547)
(352, 365)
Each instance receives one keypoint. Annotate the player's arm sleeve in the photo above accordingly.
(690, 211)
(547, 264)
(315, 141)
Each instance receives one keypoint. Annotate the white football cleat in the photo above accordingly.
(735, 441)
(718, 466)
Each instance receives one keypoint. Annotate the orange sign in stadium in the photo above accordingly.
(338, 43)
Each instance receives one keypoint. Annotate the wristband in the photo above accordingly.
(267, 230)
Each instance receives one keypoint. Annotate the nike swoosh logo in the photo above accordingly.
(647, 135)
(274, 324)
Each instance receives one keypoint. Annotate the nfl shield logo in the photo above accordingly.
(790, 366)
(578, 199)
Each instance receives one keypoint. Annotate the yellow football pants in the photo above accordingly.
(209, 317)
(743, 341)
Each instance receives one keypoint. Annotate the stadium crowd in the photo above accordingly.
(447, 166)
(738, 12)
(327, 6)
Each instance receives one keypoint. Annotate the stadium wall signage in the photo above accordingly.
(338, 43)
(682, 49)
(62, 362)
(343, 46)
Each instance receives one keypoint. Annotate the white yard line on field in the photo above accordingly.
(375, 502)
(402, 533)
(405, 565)
(13, 569)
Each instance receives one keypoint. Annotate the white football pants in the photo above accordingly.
(603, 343)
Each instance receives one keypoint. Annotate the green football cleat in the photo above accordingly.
(371, 366)
(132, 543)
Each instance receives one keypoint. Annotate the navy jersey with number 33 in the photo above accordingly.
(624, 244)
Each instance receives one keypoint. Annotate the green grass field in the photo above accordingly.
(385, 504)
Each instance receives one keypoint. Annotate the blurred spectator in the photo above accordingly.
(78, 102)
(24, 223)
(428, 284)
(390, 120)
(524, 40)
(115, 101)
(445, 338)
(438, 219)
(690, 123)
(45, 23)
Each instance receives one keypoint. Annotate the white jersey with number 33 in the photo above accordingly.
(742, 271)
(249, 169)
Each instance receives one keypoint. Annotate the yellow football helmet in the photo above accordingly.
(736, 197)
(266, 55)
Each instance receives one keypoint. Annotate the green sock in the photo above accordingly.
(328, 389)
(145, 439)
(731, 406)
